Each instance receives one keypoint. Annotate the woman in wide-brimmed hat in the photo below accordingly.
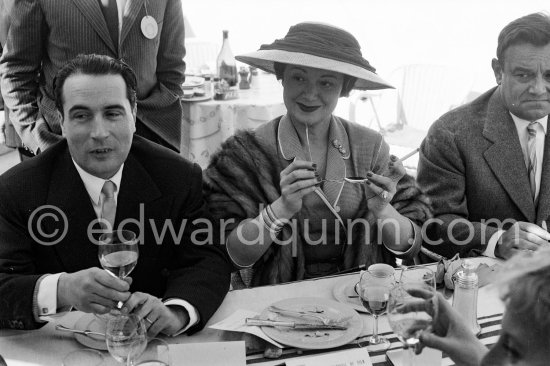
(289, 213)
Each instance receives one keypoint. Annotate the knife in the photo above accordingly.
(294, 325)
(86, 332)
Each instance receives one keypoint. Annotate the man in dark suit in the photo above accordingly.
(485, 165)
(50, 204)
(148, 35)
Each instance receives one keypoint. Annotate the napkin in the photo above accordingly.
(210, 353)
(447, 269)
(236, 323)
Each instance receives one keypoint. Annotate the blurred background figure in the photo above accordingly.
(148, 35)
(525, 335)
(8, 136)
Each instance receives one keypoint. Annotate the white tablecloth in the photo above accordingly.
(207, 124)
(47, 346)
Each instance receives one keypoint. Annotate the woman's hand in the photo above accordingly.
(384, 188)
(297, 180)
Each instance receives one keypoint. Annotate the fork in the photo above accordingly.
(301, 314)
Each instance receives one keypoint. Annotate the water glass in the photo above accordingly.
(157, 353)
(125, 335)
(411, 306)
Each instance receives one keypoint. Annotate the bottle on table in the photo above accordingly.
(465, 296)
(226, 64)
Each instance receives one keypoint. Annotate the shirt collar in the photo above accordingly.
(94, 184)
(522, 123)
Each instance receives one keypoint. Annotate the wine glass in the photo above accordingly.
(84, 357)
(118, 253)
(411, 306)
(125, 335)
(373, 290)
(157, 353)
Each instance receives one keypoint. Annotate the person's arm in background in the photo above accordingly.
(170, 72)
(5, 6)
(19, 70)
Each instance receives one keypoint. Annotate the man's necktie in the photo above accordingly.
(110, 12)
(108, 209)
(532, 152)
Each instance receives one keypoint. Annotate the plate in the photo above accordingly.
(192, 82)
(346, 288)
(197, 99)
(314, 339)
(91, 322)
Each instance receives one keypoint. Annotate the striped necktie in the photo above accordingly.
(108, 208)
(110, 12)
(532, 152)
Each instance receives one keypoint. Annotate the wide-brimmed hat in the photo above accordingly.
(320, 46)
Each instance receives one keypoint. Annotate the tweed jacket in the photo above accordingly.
(473, 169)
(45, 34)
(158, 188)
(245, 174)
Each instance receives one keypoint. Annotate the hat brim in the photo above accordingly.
(264, 59)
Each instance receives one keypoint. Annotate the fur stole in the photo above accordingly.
(244, 176)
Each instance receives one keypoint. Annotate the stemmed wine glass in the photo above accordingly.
(125, 335)
(118, 253)
(411, 306)
(373, 290)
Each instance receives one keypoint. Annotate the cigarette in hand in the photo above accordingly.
(408, 155)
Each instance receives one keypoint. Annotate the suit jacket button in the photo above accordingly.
(165, 272)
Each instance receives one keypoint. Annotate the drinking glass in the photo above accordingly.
(118, 253)
(373, 290)
(125, 335)
(411, 306)
(156, 353)
(84, 357)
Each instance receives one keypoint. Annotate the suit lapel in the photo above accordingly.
(137, 188)
(132, 10)
(91, 11)
(543, 211)
(68, 194)
(505, 157)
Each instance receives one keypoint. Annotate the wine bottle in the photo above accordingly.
(226, 65)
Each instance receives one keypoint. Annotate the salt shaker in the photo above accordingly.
(465, 296)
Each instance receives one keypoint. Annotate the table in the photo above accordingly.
(207, 124)
(47, 347)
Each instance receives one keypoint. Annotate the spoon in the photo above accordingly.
(86, 332)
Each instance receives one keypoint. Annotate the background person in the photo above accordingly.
(525, 334)
(177, 283)
(295, 166)
(45, 35)
(488, 160)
